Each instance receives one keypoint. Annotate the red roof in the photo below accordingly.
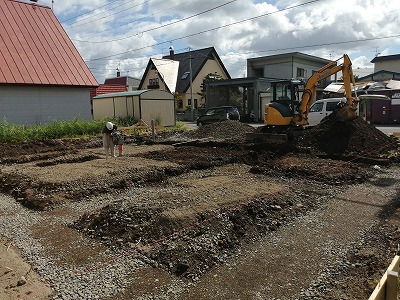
(35, 49)
(107, 89)
(117, 80)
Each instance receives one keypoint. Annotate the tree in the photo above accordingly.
(203, 92)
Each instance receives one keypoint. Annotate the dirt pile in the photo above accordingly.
(228, 131)
(351, 138)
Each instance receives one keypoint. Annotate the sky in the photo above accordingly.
(125, 34)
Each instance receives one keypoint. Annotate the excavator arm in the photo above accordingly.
(349, 110)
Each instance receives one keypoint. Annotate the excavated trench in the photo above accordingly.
(189, 239)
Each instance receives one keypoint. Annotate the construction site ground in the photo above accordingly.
(202, 214)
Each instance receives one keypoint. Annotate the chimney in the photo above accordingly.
(171, 53)
(118, 73)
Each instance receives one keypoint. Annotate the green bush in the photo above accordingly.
(125, 121)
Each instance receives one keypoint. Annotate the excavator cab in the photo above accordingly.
(286, 97)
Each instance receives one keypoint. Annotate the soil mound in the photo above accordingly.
(355, 137)
(227, 131)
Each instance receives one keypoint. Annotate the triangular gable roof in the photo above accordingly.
(168, 70)
(199, 58)
(35, 49)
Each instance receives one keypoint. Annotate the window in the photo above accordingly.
(330, 106)
(185, 75)
(301, 72)
(282, 91)
(210, 112)
(180, 103)
(317, 107)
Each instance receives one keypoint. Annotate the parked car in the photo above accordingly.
(322, 108)
(218, 114)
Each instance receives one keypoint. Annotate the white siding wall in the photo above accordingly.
(390, 65)
(39, 105)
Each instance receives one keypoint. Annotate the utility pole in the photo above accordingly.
(191, 87)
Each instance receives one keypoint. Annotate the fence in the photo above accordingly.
(387, 287)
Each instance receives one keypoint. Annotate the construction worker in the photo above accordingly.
(108, 143)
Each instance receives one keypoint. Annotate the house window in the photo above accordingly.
(301, 72)
(189, 102)
(153, 83)
(179, 103)
(185, 75)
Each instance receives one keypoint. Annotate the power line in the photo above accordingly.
(206, 31)
(158, 27)
(298, 47)
(138, 20)
(88, 12)
(79, 23)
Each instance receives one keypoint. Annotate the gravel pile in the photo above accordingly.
(228, 131)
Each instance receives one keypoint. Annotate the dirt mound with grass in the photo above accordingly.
(350, 138)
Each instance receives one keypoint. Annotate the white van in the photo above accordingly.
(322, 108)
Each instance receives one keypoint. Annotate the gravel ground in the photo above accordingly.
(210, 220)
(304, 253)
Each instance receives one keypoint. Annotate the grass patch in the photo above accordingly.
(55, 130)
(10, 133)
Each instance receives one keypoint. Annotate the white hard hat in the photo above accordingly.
(109, 125)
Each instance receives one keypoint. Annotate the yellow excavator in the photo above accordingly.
(292, 100)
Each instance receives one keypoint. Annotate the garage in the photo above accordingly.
(144, 105)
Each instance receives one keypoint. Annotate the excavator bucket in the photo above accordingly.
(346, 113)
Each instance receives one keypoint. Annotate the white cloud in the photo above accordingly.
(134, 31)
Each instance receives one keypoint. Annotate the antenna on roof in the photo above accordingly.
(377, 51)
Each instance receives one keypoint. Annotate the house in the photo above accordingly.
(389, 63)
(293, 65)
(380, 75)
(183, 74)
(131, 83)
(107, 89)
(43, 77)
